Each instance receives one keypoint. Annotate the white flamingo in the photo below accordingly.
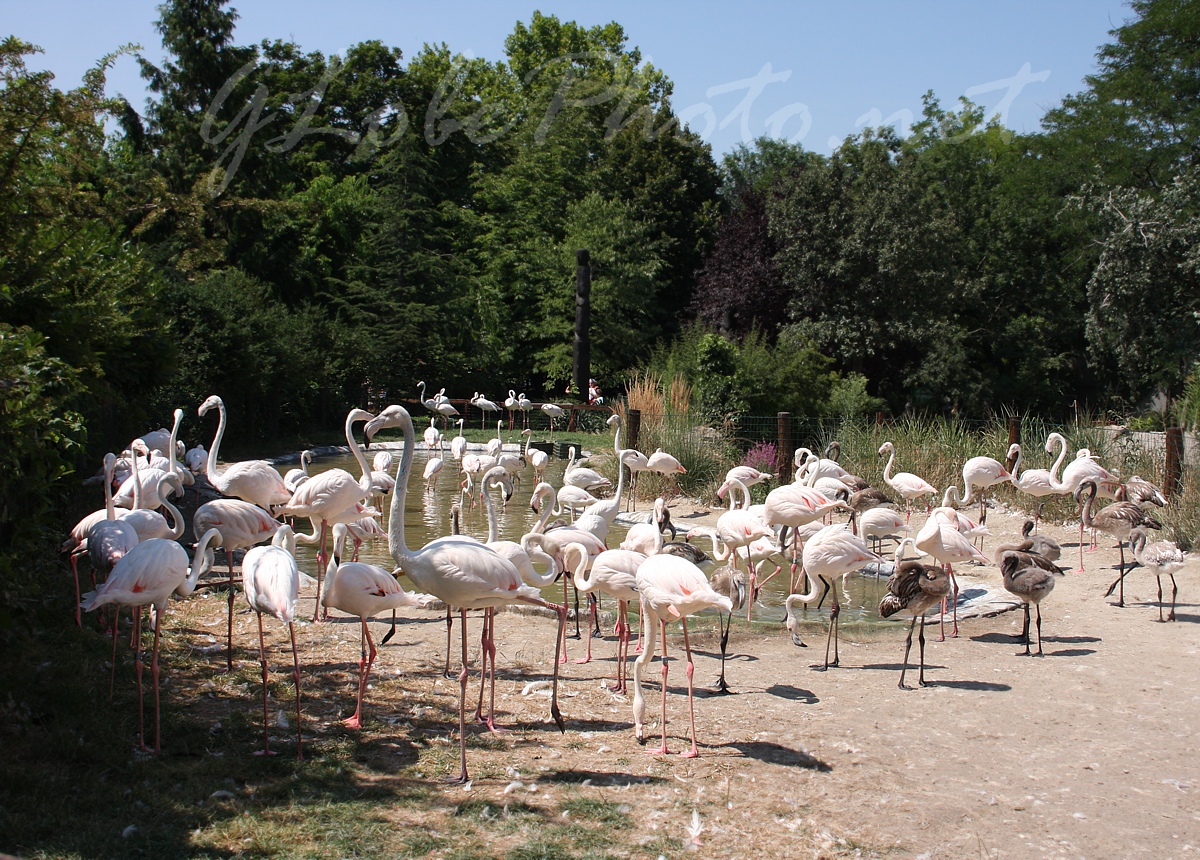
(256, 481)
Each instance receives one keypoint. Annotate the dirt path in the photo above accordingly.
(1090, 751)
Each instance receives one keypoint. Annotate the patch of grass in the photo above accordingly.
(600, 812)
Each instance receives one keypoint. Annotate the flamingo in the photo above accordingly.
(949, 546)
(982, 472)
(151, 524)
(363, 590)
(496, 445)
(553, 411)
(432, 403)
(141, 487)
(196, 459)
(747, 475)
(878, 523)
(670, 587)
(665, 464)
(446, 410)
(525, 405)
(555, 541)
(241, 525)
(793, 506)
(510, 403)
(1029, 584)
(76, 543)
(460, 573)
(433, 467)
(599, 517)
(914, 588)
(293, 478)
(1038, 483)
(1116, 520)
(1142, 493)
(485, 406)
(431, 434)
(536, 457)
(832, 552)
(324, 497)
(1160, 557)
(573, 499)
(613, 572)
(582, 476)
(1041, 544)
(739, 528)
(459, 442)
(147, 576)
(271, 581)
(906, 484)
(256, 481)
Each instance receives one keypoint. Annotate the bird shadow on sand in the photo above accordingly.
(775, 754)
(896, 667)
(729, 658)
(795, 694)
(599, 777)
(978, 686)
(1190, 619)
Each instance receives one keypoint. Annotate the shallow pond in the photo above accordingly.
(427, 516)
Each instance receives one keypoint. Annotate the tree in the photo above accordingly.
(1144, 295)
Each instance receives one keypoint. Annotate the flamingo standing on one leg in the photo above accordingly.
(271, 581)
(670, 587)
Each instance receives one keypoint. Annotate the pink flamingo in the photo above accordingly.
(271, 581)
(147, 576)
(906, 484)
(256, 481)
(363, 590)
(459, 572)
(670, 587)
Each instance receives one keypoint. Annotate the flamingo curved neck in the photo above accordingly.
(110, 509)
(1062, 455)
(580, 574)
(721, 551)
(357, 414)
(396, 545)
(177, 523)
(137, 483)
(214, 475)
(887, 470)
(200, 563)
(535, 549)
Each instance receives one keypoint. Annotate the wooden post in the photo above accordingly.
(633, 425)
(583, 323)
(784, 465)
(1173, 471)
(1014, 437)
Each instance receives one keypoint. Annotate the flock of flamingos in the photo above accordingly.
(133, 543)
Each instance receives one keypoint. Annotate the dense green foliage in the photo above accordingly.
(299, 233)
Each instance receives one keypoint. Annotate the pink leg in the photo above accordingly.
(154, 677)
(229, 615)
(691, 670)
(322, 562)
(296, 678)
(622, 644)
(364, 672)
(662, 750)
(462, 701)
(954, 583)
(137, 664)
(112, 675)
(262, 656)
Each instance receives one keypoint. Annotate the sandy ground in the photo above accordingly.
(1089, 751)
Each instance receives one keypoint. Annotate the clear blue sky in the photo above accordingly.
(823, 69)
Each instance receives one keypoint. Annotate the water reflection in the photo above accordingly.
(427, 517)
